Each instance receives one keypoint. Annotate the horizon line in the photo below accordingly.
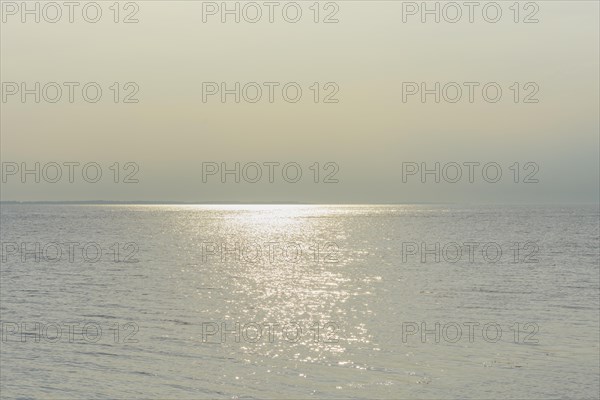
(214, 202)
(230, 202)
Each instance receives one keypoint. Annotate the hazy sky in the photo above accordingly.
(369, 133)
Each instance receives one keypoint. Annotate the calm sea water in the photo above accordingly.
(315, 302)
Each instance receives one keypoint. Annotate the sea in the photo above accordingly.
(426, 301)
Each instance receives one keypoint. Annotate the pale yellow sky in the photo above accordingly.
(369, 133)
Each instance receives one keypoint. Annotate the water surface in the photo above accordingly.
(336, 304)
